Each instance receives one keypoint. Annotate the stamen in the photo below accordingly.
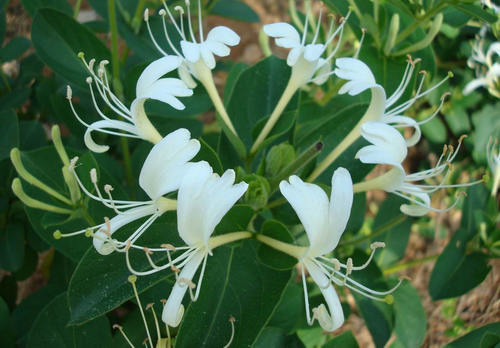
(304, 34)
(363, 34)
(306, 295)
(181, 16)
(116, 326)
(146, 19)
(189, 21)
(132, 279)
(181, 33)
(200, 23)
(231, 321)
(318, 26)
(150, 306)
(162, 14)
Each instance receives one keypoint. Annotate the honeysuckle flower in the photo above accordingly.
(360, 78)
(409, 186)
(162, 172)
(306, 58)
(490, 4)
(197, 57)
(324, 221)
(135, 124)
(493, 156)
(486, 67)
(203, 199)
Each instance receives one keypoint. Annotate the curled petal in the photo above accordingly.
(107, 126)
(358, 74)
(288, 36)
(155, 71)
(312, 52)
(223, 35)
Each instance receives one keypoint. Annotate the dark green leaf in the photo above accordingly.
(268, 255)
(12, 247)
(475, 11)
(208, 154)
(267, 81)
(410, 322)
(34, 5)
(9, 137)
(32, 135)
(50, 329)
(14, 98)
(241, 287)
(14, 49)
(474, 338)
(235, 9)
(344, 340)
(8, 290)
(29, 264)
(6, 337)
(58, 39)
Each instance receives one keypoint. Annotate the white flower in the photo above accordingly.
(136, 124)
(324, 222)
(486, 67)
(493, 156)
(203, 199)
(162, 172)
(198, 58)
(305, 59)
(407, 186)
(359, 78)
(490, 4)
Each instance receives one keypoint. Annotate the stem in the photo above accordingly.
(409, 30)
(290, 90)
(137, 19)
(332, 156)
(206, 78)
(217, 241)
(384, 228)
(276, 203)
(403, 266)
(290, 249)
(301, 161)
(76, 9)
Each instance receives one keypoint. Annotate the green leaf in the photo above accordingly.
(28, 266)
(8, 290)
(14, 98)
(235, 9)
(475, 11)
(58, 39)
(410, 319)
(99, 283)
(9, 136)
(312, 337)
(396, 238)
(208, 154)
(50, 329)
(474, 338)
(269, 256)
(14, 49)
(6, 337)
(32, 135)
(31, 6)
(25, 314)
(344, 340)
(267, 81)
(12, 247)
(377, 315)
(290, 313)
(235, 284)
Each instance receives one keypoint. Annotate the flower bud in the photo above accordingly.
(278, 158)
(258, 191)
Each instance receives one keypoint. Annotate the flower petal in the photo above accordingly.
(386, 139)
(294, 55)
(174, 310)
(208, 57)
(113, 126)
(340, 206)
(313, 52)
(154, 71)
(190, 50)
(310, 203)
(357, 72)
(333, 318)
(223, 35)
(285, 31)
(116, 223)
(186, 76)
(217, 48)
(166, 163)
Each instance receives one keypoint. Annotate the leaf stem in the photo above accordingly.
(400, 267)
(384, 228)
(76, 9)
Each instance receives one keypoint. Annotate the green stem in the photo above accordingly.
(384, 228)
(301, 161)
(412, 263)
(290, 249)
(217, 241)
(410, 29)
(137, 19)
(76, 9)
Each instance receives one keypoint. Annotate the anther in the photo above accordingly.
(69, 92)
(336, 264)
(349, 266)
(88, 80)
(376, 245)
(162, 12)
(117, 327)
(389, 299)
(462, 137)
(450, 74)
(187, 282)
(163, 300)
(147, 251)
(146, 15)
(72, 163)
(57, 234)
(81, 55)
(108, 188)
(93, 175)
(127, 246)
(149, 305)
(89, 233)
(168, 247)
(175, 269)
(145, 341)
(180, 9)
(91, 64)
(132, 278)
